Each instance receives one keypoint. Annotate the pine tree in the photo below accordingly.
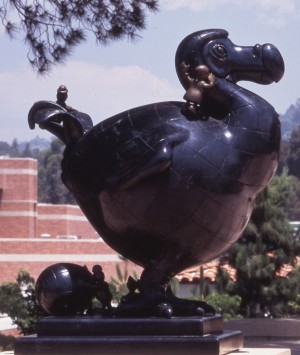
(14, 152)
(264, 248)
(293, 159)
(26, 152)
(50, 187)
(293, 203)
(290, 158)
(53, 28)
(5, 149)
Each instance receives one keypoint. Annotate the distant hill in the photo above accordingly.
(35, 143)
(17, 149)
(290, 120)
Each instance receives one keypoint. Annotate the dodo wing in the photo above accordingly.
(131, 146)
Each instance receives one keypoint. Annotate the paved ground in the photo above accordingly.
(269, 333)
(272, 342)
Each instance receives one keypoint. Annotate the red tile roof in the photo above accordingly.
(210, 271)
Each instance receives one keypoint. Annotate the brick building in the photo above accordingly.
(35, 235)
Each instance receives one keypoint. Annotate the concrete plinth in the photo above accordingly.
(262, 351)
(129, 336)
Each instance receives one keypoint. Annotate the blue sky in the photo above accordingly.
(103, 81)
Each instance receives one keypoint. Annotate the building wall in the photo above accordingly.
(21, 216)
(35, 254)
(63, 220)
(18, 181)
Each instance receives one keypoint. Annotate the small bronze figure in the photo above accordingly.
(102, 291)
(61, 98)
(203, 80)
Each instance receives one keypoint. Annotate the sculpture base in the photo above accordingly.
(97, 335)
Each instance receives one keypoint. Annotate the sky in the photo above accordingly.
(105, 80)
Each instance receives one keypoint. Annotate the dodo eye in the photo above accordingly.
(219, 52)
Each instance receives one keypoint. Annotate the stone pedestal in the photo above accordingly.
(97, 335)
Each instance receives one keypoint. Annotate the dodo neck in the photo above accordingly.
(241, 106)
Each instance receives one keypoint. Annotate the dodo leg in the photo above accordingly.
(152, 296)
(146, 297)
(156, 284)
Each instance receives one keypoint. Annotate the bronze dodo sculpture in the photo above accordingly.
(168, 188)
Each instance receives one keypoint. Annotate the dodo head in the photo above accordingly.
(262, 64)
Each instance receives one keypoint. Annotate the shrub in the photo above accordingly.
(225, 304)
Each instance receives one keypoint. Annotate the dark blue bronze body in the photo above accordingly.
(169, 191)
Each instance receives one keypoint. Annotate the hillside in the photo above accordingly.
(290, 120)
(17, 149)
(35, 143)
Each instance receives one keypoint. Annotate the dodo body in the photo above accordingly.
(168, 190)
(191, 203)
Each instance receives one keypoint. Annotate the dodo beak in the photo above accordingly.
(262, 64)
(273, 61)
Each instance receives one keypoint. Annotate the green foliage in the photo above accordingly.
(5, 149)
(118, 286)
(17, 299)
(225, 304)
(294, 306)
(293, 160)
(53, 28)
(290, 158)
(50, 187)
(6, 342)
(293, 204)
(175, 285)
(266, 245)
(290, 119)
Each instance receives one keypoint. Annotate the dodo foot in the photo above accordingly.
(183, 307)
(161, 303)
